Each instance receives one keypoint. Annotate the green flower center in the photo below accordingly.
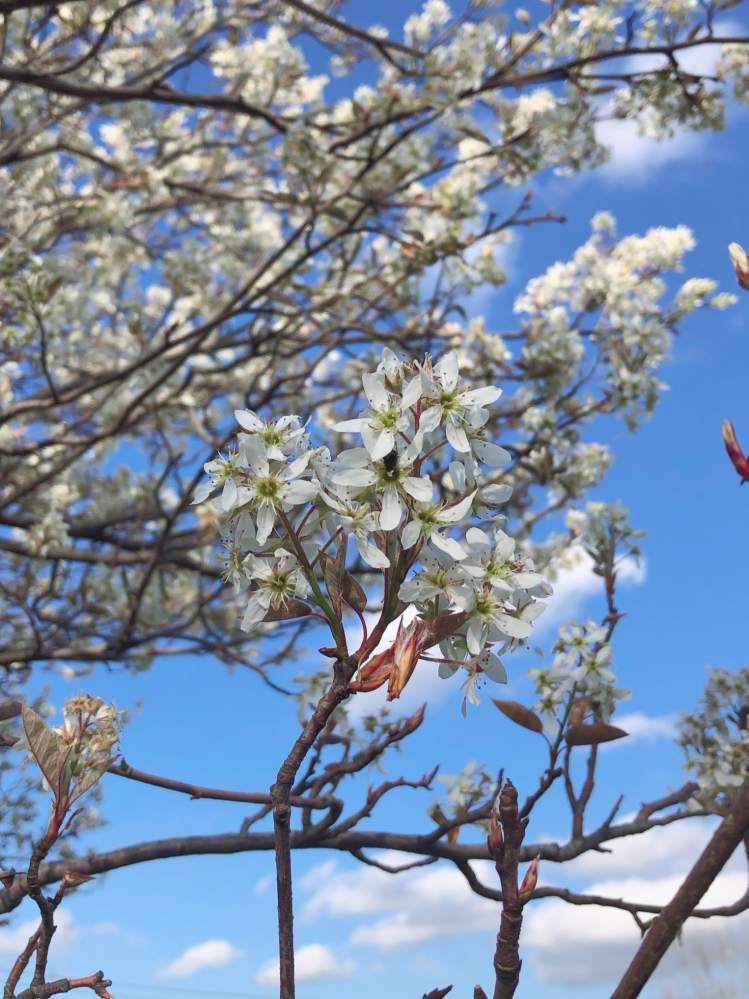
(272, 436)
(387, 419)
(268, 489)
(450, 402)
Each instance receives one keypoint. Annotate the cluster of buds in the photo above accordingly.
(291, 505)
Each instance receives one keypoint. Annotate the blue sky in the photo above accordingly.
(686, 609)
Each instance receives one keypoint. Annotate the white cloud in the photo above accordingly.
(313, 963)
(13, 941)
(264, 883)
(586, 945)
(634, 157)
(578, 583)
(416, 906)
(211, 954)
(642, 728)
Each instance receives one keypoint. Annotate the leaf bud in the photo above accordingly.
(495, 840)
(529, 881)
(740, 261)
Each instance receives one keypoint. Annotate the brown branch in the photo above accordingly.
(97, 982)
(20, 965)
(123, 769)
(507, 961)
(667, 925)
(343, 671)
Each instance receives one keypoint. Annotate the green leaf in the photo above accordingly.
(521, 715)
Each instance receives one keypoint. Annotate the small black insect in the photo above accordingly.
(390, 460)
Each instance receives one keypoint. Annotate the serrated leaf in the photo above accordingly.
(92, 776)
(520, 715)
(44, 746)
(287, 611)
(437, 629)
(353, 593)
(593, 735)
(10, 709)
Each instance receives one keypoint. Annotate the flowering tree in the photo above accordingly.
(194, 230)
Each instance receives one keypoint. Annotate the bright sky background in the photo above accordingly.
(207, 924)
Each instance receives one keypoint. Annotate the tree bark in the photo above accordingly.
(665, 927)
(343, 671)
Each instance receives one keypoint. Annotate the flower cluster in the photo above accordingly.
(290, 504)
(715, 738)
(580, 682)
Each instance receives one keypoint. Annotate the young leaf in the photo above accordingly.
(92, 776)
(44, 746)
(333, 580)
(288, 610)
(520, 715)
(353, 593)
(593, 735)
(437, 629)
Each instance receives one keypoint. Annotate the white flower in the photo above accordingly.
(428, 518)
(221, 470)
(269, 490)
(359, 520)
(277, 579)
(448, 405)
(390, 479)
(440, 577)
(379, 425)
(281, 437)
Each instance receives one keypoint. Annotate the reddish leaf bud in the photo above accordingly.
(529, 881)
(71, 879)
(739, 460)
(740, 261)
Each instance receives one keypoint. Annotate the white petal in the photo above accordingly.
(430, 420)
(358, 478)
(448, 545)
(411, 393)
(383, 445)
(457, 437)
(458, 475)
(229, 495)
(266, 519)
(299, 491)
(411, 533)
(476, 636)
(372, 555)
(454, 514)
(248, 420)
(477, 538)
(532, 611)
(495, 670)
(420, 489)
(491, 454)
(257, 608)
(295, 467)
(447, 670)
(463, 596)
(447, 369)
(202, 493)
(392, 510)
(512, 626)
(375, 391)
(257, 459)
(481, 396)
(494, 495)
(354, 457)
(427, 385)
(350, 426)
(527, 579)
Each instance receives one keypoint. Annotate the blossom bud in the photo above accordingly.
(740, 462)
(529, 881)
(72, 879)
(406, 654)
(740, 261)
(495, 840)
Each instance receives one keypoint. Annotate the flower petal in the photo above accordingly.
(421, 489)
(382, 445)
(392, 509)
(411, 533)
(449, 545)
(457, 437)
(411, 393)
(490, 454)
(372, 554)
(248, 420)
(375, 391)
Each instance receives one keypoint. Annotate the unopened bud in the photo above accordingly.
(529, 881)
(71, 879)
(495, 840)
(735, 453)
(740, 261)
